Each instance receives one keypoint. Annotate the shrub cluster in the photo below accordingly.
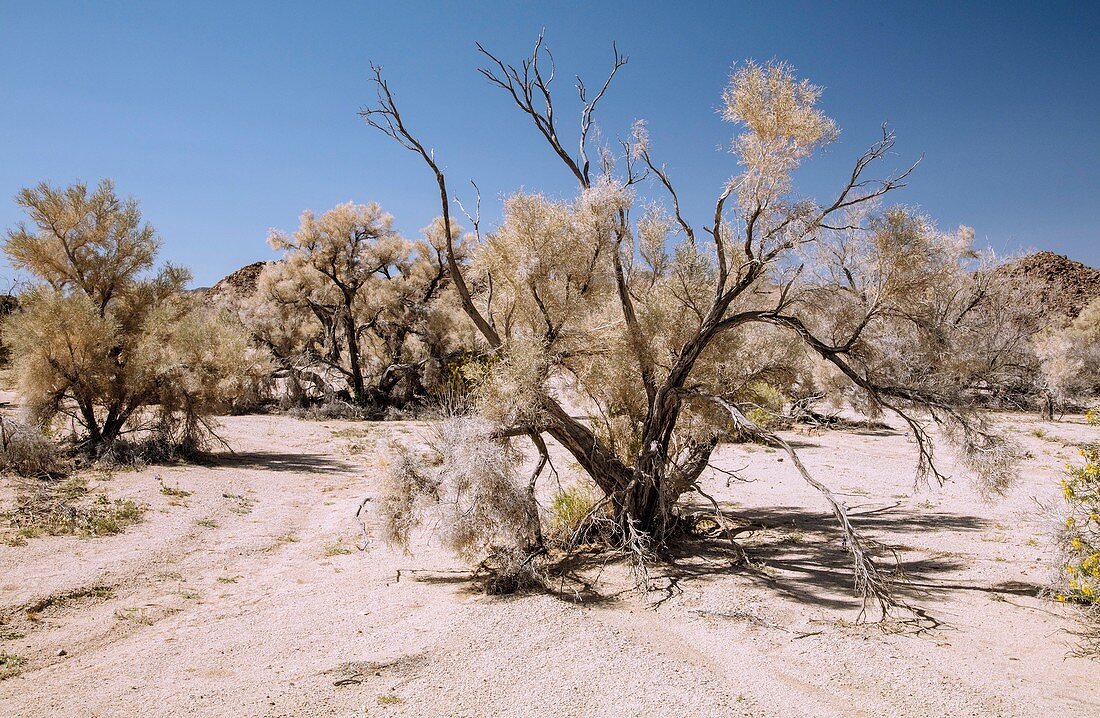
(1079, 538)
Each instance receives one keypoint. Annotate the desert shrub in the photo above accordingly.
(25, 451)
(102, 342)
(466, 486)
(10, 665)
(767, 404)
(1069, 359)
(569, 508)
(330, 410)
(453, 391)
(1078, 545)
(1079, 539)
(511, 570)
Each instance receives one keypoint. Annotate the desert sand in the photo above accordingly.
(250, 597)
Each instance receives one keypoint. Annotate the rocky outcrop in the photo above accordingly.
(1066, 286)
(239, 284)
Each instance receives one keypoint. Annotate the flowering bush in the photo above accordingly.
(1079, 540)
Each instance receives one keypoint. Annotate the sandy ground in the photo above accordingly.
(249, 598)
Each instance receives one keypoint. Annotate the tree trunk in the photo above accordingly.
(111, 431)
(1046, 407)
(91, 424)
(358, 390)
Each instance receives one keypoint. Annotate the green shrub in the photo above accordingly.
(1079, 546)
(1079, 540)
(567, 509)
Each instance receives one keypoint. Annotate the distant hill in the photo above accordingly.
(241, 283)
(1066, 286)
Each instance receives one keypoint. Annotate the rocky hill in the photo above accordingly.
(240, 283)
(1066, 286)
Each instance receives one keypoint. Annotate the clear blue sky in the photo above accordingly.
(227, 118)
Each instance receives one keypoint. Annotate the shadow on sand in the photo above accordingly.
(800, 554)
(280, 461)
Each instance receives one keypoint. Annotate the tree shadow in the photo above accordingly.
(800, 554)
(279, 461)
(565, 580)
(874, 431)
(803, 443)
(795, 553)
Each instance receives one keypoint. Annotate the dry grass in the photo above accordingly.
(27, 452)
(568, 509)
(10, 665)
(1088, 634)
(173, 491)
(63, 508)
(333, 410)
(337, 549)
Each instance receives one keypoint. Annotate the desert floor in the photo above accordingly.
(250, 598)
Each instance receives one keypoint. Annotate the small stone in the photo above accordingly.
(62, 652)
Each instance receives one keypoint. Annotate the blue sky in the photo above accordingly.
(227, 118)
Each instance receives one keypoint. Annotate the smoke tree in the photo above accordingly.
(1069, 359)
(102, 341)
(672, 335)
(355, 297)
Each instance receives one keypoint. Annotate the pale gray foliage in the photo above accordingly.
(465, 486)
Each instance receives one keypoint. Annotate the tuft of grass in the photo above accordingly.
(10, 665)
(145, 615)
(355, 448)
(59, 600)
(173, 491)
(63, 509)
(351, 433)
(228, 579)
(207, 523)
(337, 549)
(135, 615)
(796, 537)
(389, 699)
(568, 508)
(27, 452)
(336, 410)
(241, 504)
(7, 633)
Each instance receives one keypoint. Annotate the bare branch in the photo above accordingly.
(387, 118)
